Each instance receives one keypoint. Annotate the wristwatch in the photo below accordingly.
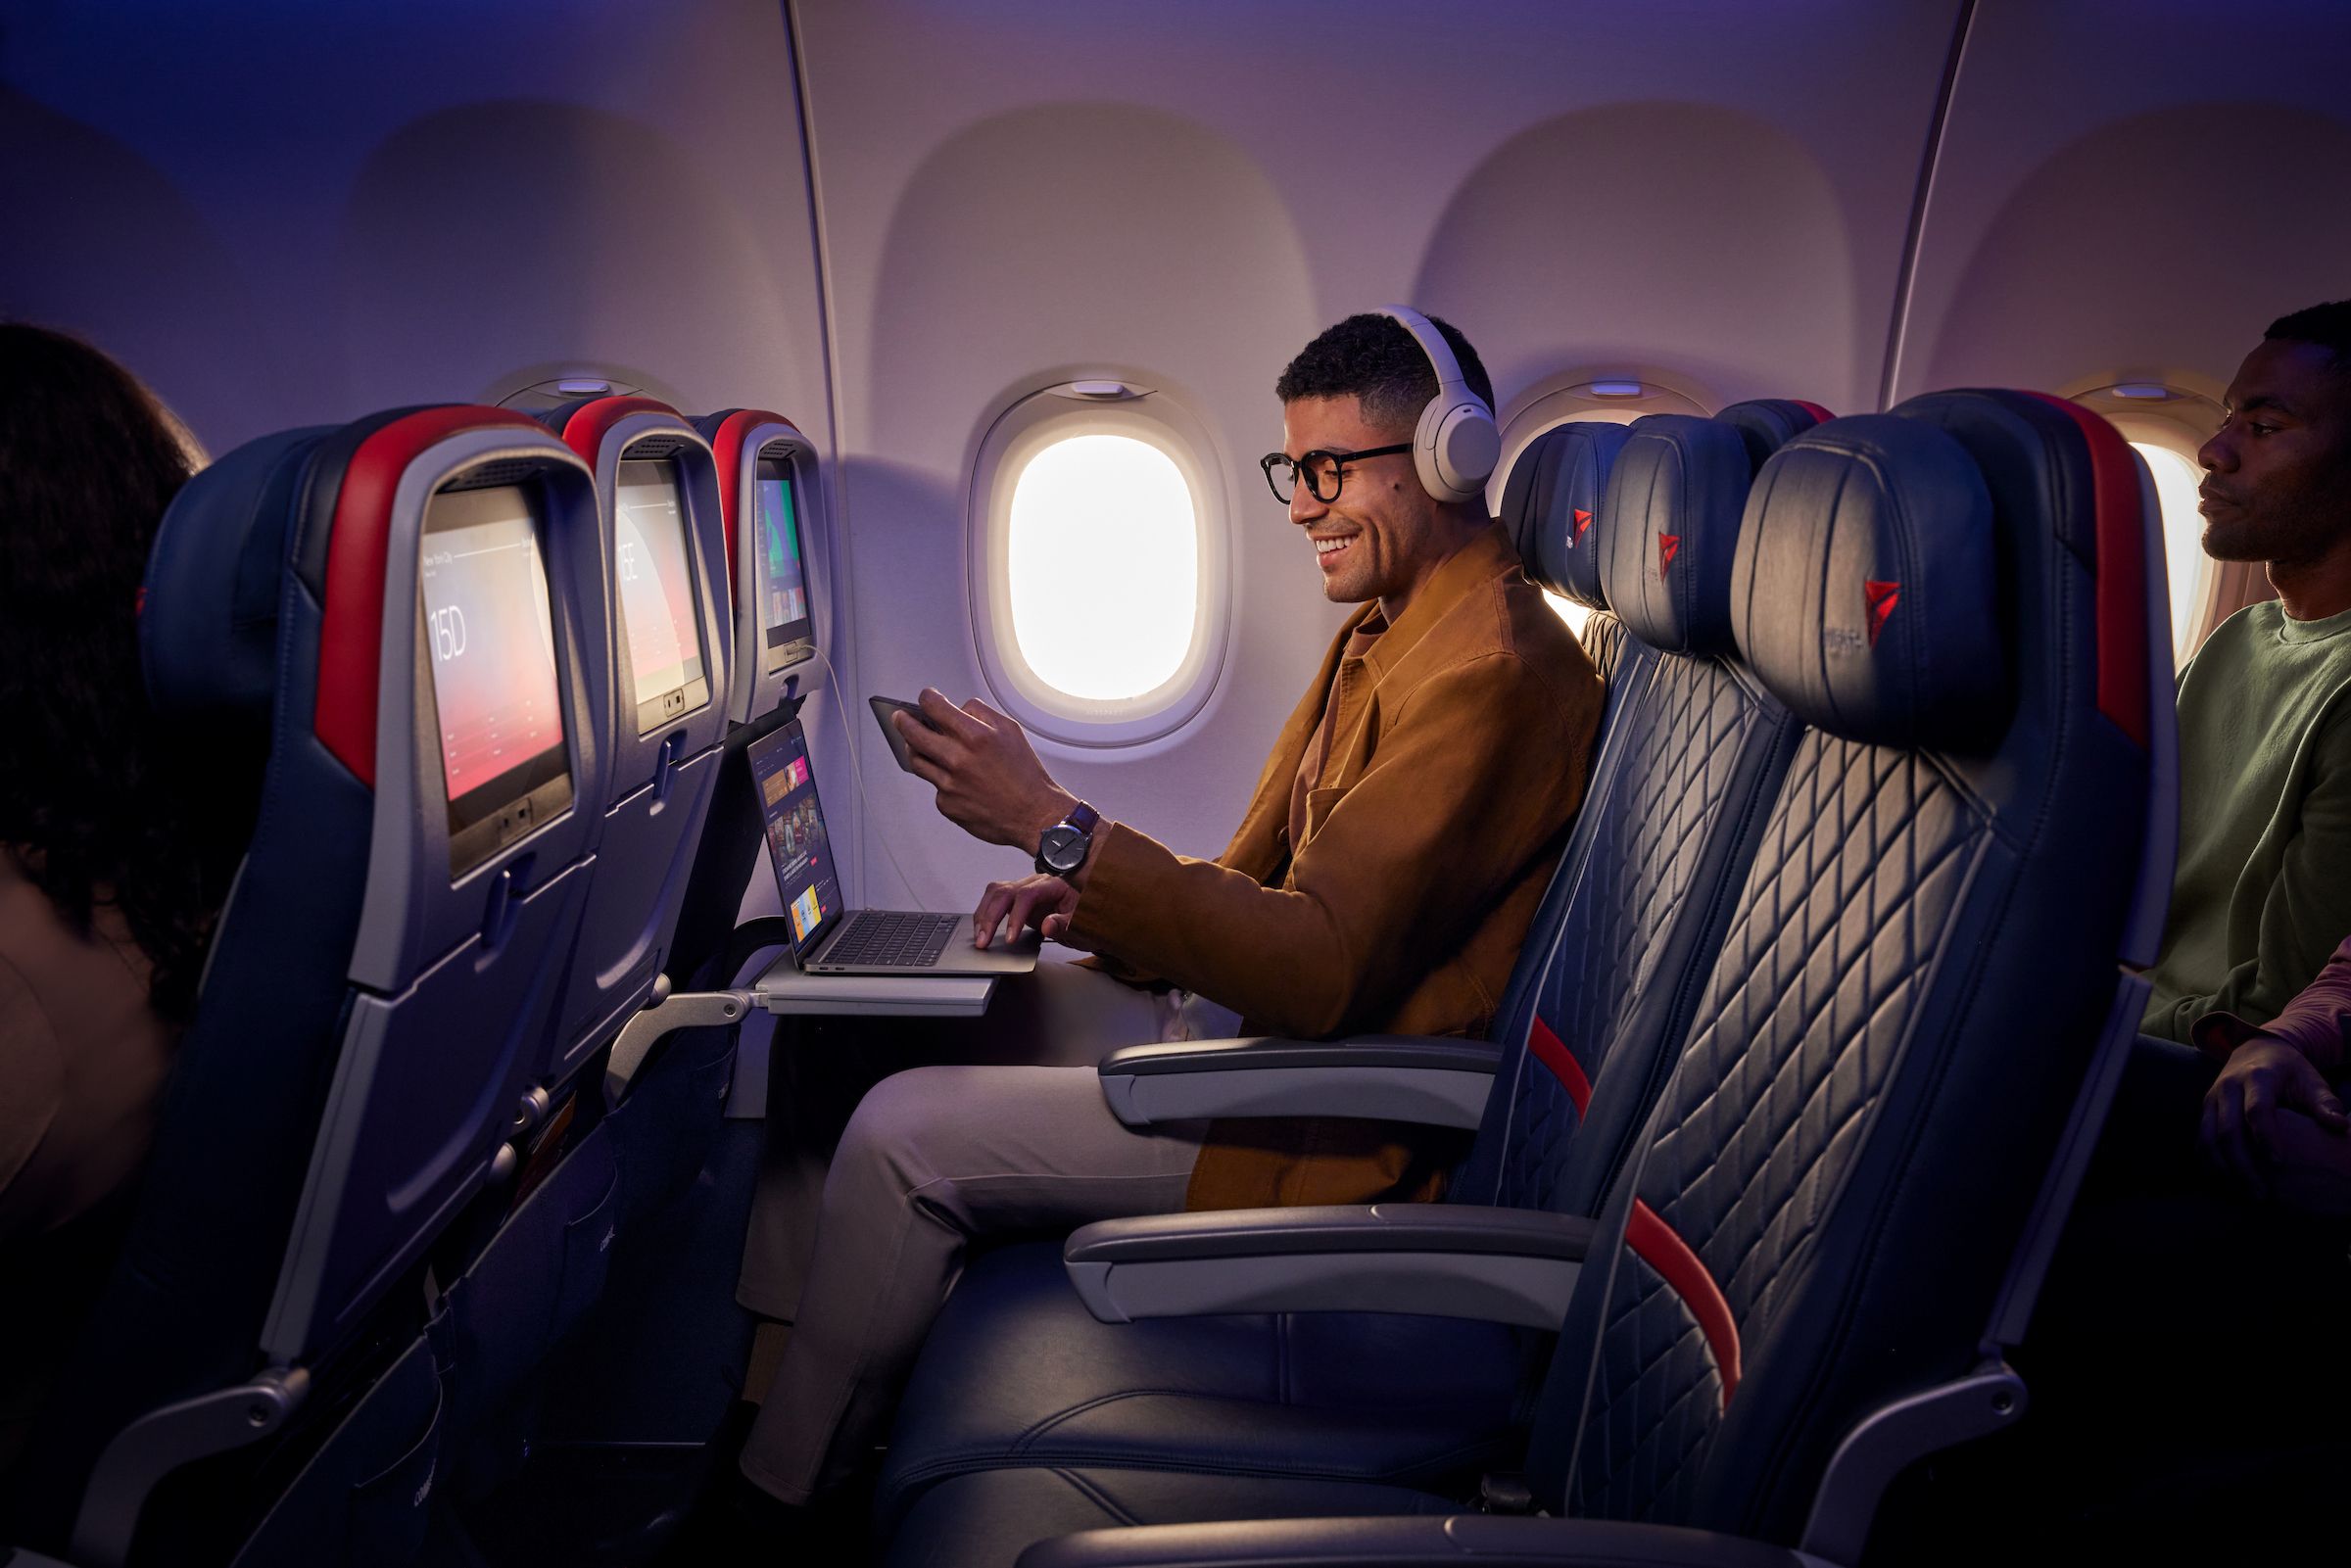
(1063, 847)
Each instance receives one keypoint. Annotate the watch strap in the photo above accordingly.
(1083, 818)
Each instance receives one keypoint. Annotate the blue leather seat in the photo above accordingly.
(1017, 1372)
(380, 987)
(660, 780)
(764, 689)
(659, 768)
(1835, 1214)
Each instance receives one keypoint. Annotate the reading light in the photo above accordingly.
(1101, 389)
(1617, 389)
(583, 387)
(2143, 390)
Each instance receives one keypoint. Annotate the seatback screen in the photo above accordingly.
(797, 845)
(788, 630)
(659, 618)
(497, 705)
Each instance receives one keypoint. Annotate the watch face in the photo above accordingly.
(1062, 847)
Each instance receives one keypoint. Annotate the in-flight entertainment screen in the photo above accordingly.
(796, 842)
(497, 706)
(789, 631)
(657, 594)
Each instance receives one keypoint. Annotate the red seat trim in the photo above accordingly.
(727, 445)
(585, 431)
(1814, 409)
(2122, 571)
(1662, 1247)
(350, 627)
(1549, 1051)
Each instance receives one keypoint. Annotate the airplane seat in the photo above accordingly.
(771, 502)
(1928, 949)
(1548, 504)
(1602, 991)
(1805, 1278)
(373, 603)
(1767, 424)
(664, 693)
(666, 687)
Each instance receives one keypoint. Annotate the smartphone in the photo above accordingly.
(884, 707)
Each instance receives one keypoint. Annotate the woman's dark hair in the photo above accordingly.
(90, 804)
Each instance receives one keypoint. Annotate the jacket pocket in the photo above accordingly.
(1319, 803)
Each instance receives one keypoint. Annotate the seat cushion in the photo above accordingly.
(1017, 1372)
(989, 1519)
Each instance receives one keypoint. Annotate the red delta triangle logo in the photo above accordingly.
(1583, 526)
(1881, 597)
(1668, 545)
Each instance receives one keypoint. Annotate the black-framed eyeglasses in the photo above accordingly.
(1324, 471)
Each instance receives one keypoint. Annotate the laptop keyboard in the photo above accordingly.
(878, 938)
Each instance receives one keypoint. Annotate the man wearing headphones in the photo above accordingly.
(1383, 877)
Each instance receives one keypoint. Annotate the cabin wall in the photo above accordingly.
(2131, 190)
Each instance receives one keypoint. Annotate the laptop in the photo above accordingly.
(827, 939)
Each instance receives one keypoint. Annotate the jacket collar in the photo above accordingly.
(1487, 555)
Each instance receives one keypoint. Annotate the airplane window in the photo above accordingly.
(1099, 577)
(2177, 477)
(1104, 566)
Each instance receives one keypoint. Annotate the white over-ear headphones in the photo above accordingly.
(1457, 444)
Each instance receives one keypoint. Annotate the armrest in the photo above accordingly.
(1436, 1083)
(1498, 1265)
(1486, 1541)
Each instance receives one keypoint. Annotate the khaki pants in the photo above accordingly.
(932, 1157)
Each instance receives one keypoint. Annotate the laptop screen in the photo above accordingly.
(797, 843)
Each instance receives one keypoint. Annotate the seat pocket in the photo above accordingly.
(367, 1497)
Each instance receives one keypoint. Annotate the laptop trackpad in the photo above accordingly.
(999, 957)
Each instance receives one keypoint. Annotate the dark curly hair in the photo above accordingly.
(2325, 326)
(89, 808)
(1381, 365)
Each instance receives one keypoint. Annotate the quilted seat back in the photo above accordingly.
(1693, 747)
(1690, 747)
(1826, 1198)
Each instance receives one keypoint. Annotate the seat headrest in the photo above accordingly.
(1767, 424)
(208, 610)
(1553, 500)
(583, 422)
(1668, 529)
(1865, 593)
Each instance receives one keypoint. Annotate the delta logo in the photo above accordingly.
(1668, 547)
(1880, 600)
(1583, 526)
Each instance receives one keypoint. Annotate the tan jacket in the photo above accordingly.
(1458, 755)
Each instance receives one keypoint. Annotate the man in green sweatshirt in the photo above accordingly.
(2263, 891)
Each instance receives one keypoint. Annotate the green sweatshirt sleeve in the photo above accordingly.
(2307, 912)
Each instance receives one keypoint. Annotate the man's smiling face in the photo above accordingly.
(1384, 535)
(2277, 472)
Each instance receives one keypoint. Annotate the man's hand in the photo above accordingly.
(2244, 1110)
(989, 780)
(1044, 902)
